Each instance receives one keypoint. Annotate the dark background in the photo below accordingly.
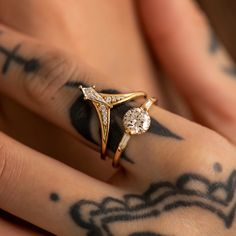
(222, 15)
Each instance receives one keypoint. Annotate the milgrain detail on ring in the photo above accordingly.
(101, 218)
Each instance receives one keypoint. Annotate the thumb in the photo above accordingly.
(193, 59)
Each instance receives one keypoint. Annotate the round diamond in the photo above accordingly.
(136, 121)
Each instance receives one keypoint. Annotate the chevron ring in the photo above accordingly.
(103, 104)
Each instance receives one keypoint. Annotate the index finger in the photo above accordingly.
(46, 81)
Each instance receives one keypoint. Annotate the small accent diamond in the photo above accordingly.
(90, 93)
(108, 99)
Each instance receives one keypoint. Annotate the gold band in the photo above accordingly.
(132, 127)
(103, 104)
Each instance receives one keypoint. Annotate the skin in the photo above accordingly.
(166, 159)
(75, 31)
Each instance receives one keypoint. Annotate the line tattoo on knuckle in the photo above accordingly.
(13, 56)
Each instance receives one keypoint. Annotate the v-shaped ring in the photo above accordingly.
(103, 104)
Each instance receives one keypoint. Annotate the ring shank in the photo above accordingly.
(122, 145)
(126, 137)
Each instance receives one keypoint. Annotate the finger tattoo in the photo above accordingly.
(190, 190)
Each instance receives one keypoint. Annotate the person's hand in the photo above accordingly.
(194, 61)
(195, 150)
(178, 173)
(109, 32)
(105, 35)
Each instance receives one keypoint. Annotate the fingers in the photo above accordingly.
(193, 60)
(7, 228)
(41, 190)
(46, 81)
(176, 165)
(17, 228)
(38, 77)
(181, 146)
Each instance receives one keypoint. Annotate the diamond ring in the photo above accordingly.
(135, 121)
(103, 104)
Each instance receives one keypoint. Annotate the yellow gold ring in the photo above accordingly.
(135, 121)
(103, 104)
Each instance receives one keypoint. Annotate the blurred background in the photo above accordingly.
(222, 14)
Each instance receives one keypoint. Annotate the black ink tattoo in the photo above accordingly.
(230, 70)
(73, 84)
(146, 234)
(217, 167)
(190, 190)
(214, 48)
(54, 197)
(29, 65)
(82, 114)
(214, 45)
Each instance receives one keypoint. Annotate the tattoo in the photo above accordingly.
(54, 197)
(145, 234)
(214, 45)
(190, 190)
(217, 167)
(214, 48)
(231, 70)
(73, 84)
(82, 114)
(29, 65)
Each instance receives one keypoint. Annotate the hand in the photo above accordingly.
(105, 37)
(194, 61)
(67, 31)
(179, 172)
(204, 152)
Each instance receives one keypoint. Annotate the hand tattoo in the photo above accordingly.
(190, 190)
(81, 112)
(214, 48)
(147, 233)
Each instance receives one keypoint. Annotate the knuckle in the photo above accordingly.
(11, 169)
(3, 162)
(201, 151)
(55, 70)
